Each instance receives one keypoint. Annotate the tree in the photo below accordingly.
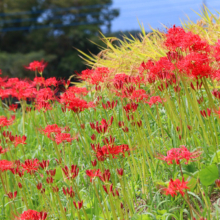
(67, 24)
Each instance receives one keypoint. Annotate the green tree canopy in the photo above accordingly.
(51, 29)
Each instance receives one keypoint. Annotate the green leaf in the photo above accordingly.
(208, 175)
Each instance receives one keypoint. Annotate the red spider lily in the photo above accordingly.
(93, 137)
(103, 126)
(154, 100)
(103, 152)
(94, 163)
(131, 107)
(93, 173)
(69, 192)
(12, 195)
(110, 105)
(51, 172)
(178, 38)
(195, 66)
(19, 140)
(176, 186)
(80, 204)
(39, 186)
(39, 81)
(100, 74)
(3, 151)
(33, 215)
(5, 165)
(13, 107)
(110, 190)
(31, 165)
(51, 130)
(4, 122)
(74, 103)
(109, 141)
(64, 137)
(120, 171)
(19, 185)
(71, 173)
(105, 176)
(37, 66)
(49, 180)
(44, 164)
(17, 168)
(78, 91)
(139, 95)
(55, 189)
(177, 154)
(51, 82)
(203, 112)
(216, 93)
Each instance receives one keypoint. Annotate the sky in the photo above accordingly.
(154, 13)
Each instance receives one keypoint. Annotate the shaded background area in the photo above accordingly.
(52, 29)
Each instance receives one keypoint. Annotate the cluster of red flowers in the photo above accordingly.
(55, 133)
(177, 154)
(176, 186)
(32, 215)
(109, 151)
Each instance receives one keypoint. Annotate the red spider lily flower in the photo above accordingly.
(19, 185)
(51, 130)
(37, 66)
(64, 137)
(94, 163)
(51, 172)
(103, 152)
(69, 192)
(32, 215)
(4, 122)
(19, 140)
(3, 151)
(105, 176)
(12, 195)
(78, 90)
(93, 173)
(120, 171)
(5, 165)
(13, 107)
(177, 154)
(17, 168)
(39, 81)
(176, 186)
(39, 186)
(93, 137)
(51, 82)
(109, 141)
(110, 105)
(74, 103)
(49, 180)
(71, 173)
(154, 100)
(216, 93)
(139, 95)
(178, 38)
(44, 164)
(103, 126)
(131, 107)
(55, 189)
(80, 204)
(31, 165)
(195, 66)
(100, 74)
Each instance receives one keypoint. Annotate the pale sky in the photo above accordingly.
(155, 12)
